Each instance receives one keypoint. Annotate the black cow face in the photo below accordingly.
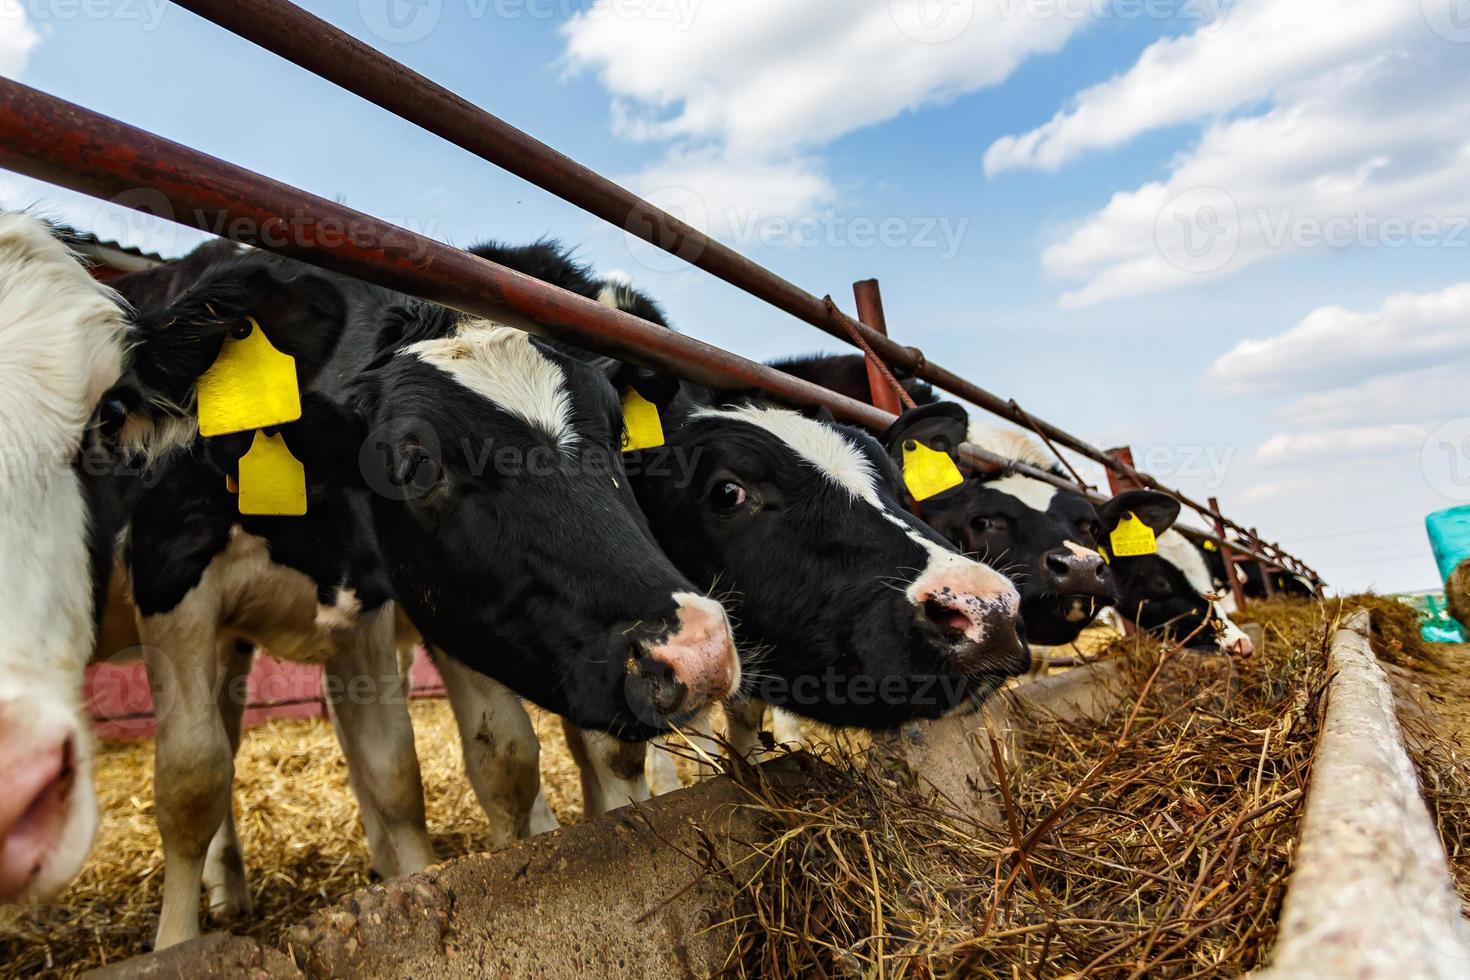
(511, 533)
(1170, 593)
(1044, 537)
(848, 610)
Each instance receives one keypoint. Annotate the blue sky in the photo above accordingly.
(1232, 234)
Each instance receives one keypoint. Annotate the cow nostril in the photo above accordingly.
(1057, 565)
(662, 686)
(946, 617)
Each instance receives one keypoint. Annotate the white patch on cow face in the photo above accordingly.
(844, 464)
(1178, 551)
(63, 338)
(501, 365)
(820, 445)
(1035, 494)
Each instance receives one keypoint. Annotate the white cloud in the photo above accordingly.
(1333, 346)
(1415, 396)
(17, 39)
(764, 75)
(1255, 47)
(744, 91)
(723, 194)
(1361, 145)
(1357, 443)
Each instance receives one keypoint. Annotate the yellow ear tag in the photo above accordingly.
(1211, 546)
(251, 385)
(1133, 538)
(272, 481)
(1102, 550)
(642, 428)
(928, 472)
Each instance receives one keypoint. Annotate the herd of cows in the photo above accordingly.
(623, 549)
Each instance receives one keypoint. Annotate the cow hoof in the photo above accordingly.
(230, 902)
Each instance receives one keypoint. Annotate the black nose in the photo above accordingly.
(654, 683)
(1069, 573)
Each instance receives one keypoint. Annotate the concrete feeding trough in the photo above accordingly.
(1371, 895)
(628, 895)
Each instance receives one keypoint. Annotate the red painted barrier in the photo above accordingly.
(121, 705)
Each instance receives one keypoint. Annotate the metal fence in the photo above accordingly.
(68, 145)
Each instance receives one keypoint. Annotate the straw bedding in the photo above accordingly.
(1154, 843)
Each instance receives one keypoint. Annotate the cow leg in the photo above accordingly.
(612, 770)
(745, 723)
(194, 765)
(225, 884)
(502, 755)
(662, 773)
(368, 701)
(787, 729)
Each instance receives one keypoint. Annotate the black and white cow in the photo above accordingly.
(76, 416)
(848, 610)
(459, 472)
(1043, 536)
(1253, 579)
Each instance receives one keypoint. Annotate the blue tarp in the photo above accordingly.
(1449, 536)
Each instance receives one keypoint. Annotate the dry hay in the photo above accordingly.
(1156, 842)
(298, 824)
(1132, 850)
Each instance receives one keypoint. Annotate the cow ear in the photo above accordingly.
(302, 313)
(1157, 510)
(941, 426)
(659, 389)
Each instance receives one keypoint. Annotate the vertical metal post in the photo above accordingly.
(1117, 482)
(1266, 570)
(1232, 576)
(870, 313)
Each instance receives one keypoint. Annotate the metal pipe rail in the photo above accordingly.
(331, 53)
(65, 144)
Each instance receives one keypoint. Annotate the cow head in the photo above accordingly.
(1043, 536)
(848, 609)
(511, 533)
(1171, 592)
(64, 340)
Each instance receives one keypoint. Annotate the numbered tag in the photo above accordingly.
(1133, 538)
(928, 472)
(642, 428)
(251, 385)
(272, 481)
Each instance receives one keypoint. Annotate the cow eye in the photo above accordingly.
(980, 525)
(416, 468)
(727, 497)
(1090, 530)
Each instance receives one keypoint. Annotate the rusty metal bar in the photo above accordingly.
(870, 311)
(1227, 553)
(64, 144)
(329, 52)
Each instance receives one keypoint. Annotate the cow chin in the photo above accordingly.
(1059, 620)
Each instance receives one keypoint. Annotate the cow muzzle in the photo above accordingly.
(38, 778)
(971, 614)
(689, 668)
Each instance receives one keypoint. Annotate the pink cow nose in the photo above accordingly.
(972, 611)
(694, 666)
(36, 780)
